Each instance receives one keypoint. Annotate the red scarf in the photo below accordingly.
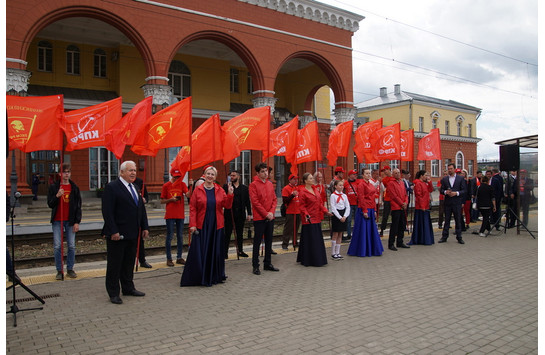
(339, 197)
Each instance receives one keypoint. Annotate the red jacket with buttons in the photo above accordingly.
(422, 194)
(263, 198)
(366, 195)
(397, 193)
(311, 205)
(197, 206)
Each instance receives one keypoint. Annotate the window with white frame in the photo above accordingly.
(45, 56)
(233, 80)
(447, 127)
(394, 164)
(470, 166)
(435, 168)
(242, 164)
(99, 63)
(469, 130)
(421, 165)
(434, 123)
(103, 167)
(420, 124)
(459, 128)
(179, 77)
(72, 60)
(447, 163)
(459, 160)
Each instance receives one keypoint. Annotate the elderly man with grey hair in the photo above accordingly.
(124, 219)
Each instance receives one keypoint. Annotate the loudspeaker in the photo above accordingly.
(509, 157)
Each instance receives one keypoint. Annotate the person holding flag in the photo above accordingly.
(64, 199)
(172, 195)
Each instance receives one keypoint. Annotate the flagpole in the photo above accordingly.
(62, 214)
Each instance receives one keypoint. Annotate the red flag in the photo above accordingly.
(246, 131)
(87, 126)
(170, 127)
(407, 145)
(123, 132)
(33, 122)
(339, 142)
(429, 147)
(362, 147)
(308, 144)
(283, 141)
(206, 145)
(385, 143)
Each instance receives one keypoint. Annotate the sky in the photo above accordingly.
(480, 53)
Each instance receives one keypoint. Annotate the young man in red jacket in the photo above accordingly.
(398, 202)
(263, 200)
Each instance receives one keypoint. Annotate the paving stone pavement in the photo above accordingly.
(477, 298)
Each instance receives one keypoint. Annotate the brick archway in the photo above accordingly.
(240, 49)
(97, 13)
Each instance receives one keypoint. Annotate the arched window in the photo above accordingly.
(459, 160)
(72, 60)
(45, 56)
(179, 77)
(99, 63)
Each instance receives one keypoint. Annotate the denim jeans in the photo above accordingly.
(179, 236)
(349, 219)
(70, 238)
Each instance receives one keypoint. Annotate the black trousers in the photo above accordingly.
(397, 228)
(456, 210)
(496, 216)
(511, 219)
(120, 258)
(293, 221)
(486, 219)
(264, 229)
(239, 229)
(441, 212)
(386, 206)
(141, 252)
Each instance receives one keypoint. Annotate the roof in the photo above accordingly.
(392, 98)
(524, 142)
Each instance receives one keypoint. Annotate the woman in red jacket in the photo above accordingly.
(422, 228)
(311, 246)
(205, 264)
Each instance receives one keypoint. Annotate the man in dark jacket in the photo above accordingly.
(511, 194)
(240, 212)
(496, 182)
(64, 199)
(454, 188)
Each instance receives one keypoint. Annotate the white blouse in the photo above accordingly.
(342, 204)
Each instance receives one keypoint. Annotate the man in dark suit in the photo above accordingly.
(511, 194)
(454, 189)
(124, 218)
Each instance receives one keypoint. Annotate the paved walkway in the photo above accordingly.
(477, 298)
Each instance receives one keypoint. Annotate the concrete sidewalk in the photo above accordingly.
(476, 298)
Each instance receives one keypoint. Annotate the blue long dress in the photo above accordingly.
(205, 264)
(365, 238)
(422, 228)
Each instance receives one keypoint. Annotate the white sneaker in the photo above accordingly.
(481, 235)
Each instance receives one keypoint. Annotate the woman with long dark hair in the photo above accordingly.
(422, 228)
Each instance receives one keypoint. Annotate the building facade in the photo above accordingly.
(228, 55)
(457, 123)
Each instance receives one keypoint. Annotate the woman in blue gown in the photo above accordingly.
(365, 238)
(205, 264)
(422, 228)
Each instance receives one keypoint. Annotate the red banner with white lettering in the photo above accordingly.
(170, 127)
(87, 127)
(245, 132)
(407, 145)
(385, 143)
(33, 122)
(283, 141)
(339, 142)
(362, 146)
(429, 147)
(308, 144)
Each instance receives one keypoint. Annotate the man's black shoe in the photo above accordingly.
(392, 248)
(270, 268)
(134, 293)
(243, 254)
(273, 252)
(146, 265)
(442, 240)
(256, 271)
(116, 300)
(404, 246)
(461, 241)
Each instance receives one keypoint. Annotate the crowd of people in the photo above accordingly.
(216, 211)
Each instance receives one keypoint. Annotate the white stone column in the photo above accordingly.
(344, 114)
(304, 120)
(162, 94)
(265, 101)
(17, 81)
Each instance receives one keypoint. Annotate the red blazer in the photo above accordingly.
(422, 194)
(311, 205)
(321, 190)
(397, 193)
(366, 195)
(197, 206)
(263, 199)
